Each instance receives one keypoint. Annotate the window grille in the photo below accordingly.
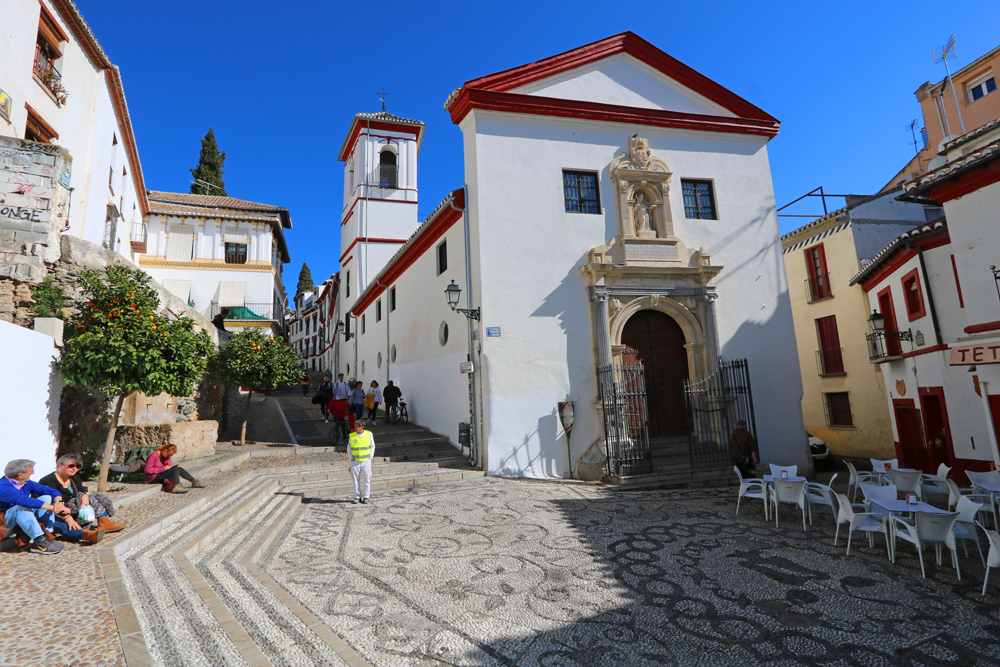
(699, 202)
(236, 253)
(110, 228)
(580, 192)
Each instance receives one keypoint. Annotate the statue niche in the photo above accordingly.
(643, 204)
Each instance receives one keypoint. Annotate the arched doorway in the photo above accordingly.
(656, 340)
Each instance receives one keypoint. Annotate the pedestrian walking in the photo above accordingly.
(341, 391)
(357, 401)
(359, 453)
(306, 381)
(743, 449)
(372, 400)
(392, 394)
(326, 391)
(341, 413)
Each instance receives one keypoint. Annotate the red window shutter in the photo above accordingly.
(819, 278)
(892, 346)
(831, 356)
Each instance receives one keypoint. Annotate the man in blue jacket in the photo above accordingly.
(20, 508)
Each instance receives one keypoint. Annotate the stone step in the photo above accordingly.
(680, 478)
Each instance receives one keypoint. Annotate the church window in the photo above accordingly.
(699, 203)
(580, 192)
(442, 257)
(392, 299)
(378, 310)
(347, 285)
(387, 176)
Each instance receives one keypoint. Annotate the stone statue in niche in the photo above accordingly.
(643, 217)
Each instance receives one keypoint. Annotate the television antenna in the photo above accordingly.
(947, 53)
(382, 95)
(912, 127)
(206, 185)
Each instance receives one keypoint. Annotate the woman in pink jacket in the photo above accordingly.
(160, 469)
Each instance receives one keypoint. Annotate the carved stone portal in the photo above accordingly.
(644, 185)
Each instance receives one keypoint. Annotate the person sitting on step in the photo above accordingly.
(66, 480)
(160, 470)
(31, 507)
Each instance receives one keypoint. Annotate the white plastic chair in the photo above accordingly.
(789, 492)
(991, 477)
(907, 482)
(855, 478)
(878, 468)
(954, 493)
(867, 521)
(993, 558)
(927, 527)
(750, 488)
(965, 525)
(937, 483)
(821, 494)
(792, 471)
(870, 491)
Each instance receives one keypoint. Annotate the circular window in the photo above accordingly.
(392, 354)
(379, 360)
(443, 334)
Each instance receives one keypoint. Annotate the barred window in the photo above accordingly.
(838, 409)
(580, 191)
(236, 253)
(699, 203)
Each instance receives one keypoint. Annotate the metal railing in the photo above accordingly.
(623, 397)
(715, 404)
(248, 311)
(830, 362)
(388, 176)
(140, 234)
(818, 287)
(884, 345)
(46, 72)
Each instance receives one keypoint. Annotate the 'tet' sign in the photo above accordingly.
(966, 355)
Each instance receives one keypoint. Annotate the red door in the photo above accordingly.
(937, 434)
(658, 343)
(911, 449)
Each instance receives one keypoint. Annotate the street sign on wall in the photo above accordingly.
(465, 367)
(983, 353)
(492, 332)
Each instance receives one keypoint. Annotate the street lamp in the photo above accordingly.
(452, 293)
(877, 320)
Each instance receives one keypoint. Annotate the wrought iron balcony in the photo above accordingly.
(140, 234)
(830, 362)
(388, 177)
(883, 345)
(248, 311)
(50, 77)
(818, 287)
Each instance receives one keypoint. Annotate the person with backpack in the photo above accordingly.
(306, 381)
(357, 401)
(392, 394)
(372, 400)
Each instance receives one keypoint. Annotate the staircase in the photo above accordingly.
(409, 443)
(672, 469)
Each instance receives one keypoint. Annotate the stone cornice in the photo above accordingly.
(158, 262)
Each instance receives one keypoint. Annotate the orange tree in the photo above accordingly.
(252, 359)
(119, 344)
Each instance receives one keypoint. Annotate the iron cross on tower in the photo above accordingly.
(381, 97)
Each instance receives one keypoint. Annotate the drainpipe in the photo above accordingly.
(944, 110)
(930, 297)
(473, 412)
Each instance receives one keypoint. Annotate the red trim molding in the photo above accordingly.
(385, 125)
(957, 186)
(958, 284)
(344, 262)
(432, 230)
(470, 99)
(888, 268)
(633, 45)
(925, 350)
(980, 328)
(370, 239)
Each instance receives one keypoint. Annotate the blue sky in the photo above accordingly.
(280, 81)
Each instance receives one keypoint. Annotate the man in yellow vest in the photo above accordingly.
(359, 452)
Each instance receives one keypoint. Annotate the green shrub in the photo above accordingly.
(49, 299)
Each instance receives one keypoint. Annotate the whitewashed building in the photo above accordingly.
(58, 87)
(936, 289)
(618, 211)
(312, 329)
(218, 253)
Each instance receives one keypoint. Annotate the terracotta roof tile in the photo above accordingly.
(932, 227)
(953, 168)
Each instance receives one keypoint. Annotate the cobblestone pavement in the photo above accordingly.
(512, 572)
(56, 609)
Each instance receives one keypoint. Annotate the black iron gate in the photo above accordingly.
(623, 396)
(714, 404)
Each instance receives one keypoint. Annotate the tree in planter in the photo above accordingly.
(252, 359)
(209, 169)
(118, 344)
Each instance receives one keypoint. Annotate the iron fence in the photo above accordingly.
(715, 404)
(248, 311)
(884, 345)
(623, 396)
(140, 234)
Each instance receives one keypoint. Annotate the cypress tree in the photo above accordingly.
(305, 281)
(209, 168)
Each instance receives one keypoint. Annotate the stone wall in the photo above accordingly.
(193, 439)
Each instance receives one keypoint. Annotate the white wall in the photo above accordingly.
(972, 225)
(29, 406)
(528, 250)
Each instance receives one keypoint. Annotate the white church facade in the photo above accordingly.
(619, 214)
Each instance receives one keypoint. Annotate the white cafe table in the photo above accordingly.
(894, 506)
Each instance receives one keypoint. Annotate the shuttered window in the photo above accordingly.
(232, 293)
(830, 354)
(180, 243)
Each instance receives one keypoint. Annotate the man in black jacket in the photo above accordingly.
(391, 395)
(326, 389)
